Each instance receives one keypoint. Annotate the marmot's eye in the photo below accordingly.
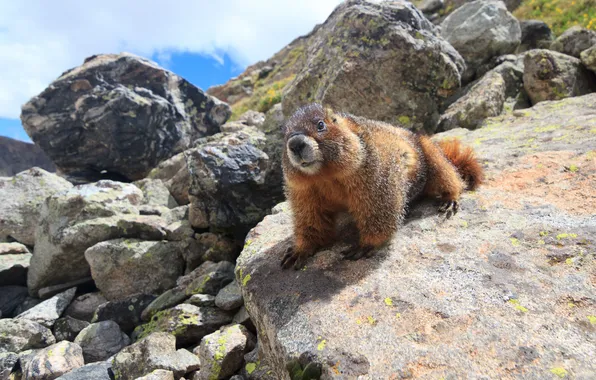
(321, 126)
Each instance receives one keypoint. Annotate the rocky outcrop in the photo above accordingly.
(490, 290)
(72, 221)
(549, 75)
(119, 115)
(535, 34)
(22, 197)
(231, 181)
(383, 60)
(486, 98)
(574, 41)
(17, 156)
(479, 31)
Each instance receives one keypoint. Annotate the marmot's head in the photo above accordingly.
(318, 139)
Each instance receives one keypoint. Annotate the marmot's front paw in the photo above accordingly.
(452, 206)
(292, 257)
(358, 252)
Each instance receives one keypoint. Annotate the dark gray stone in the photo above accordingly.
(68, 328)
(93, 371)
(166, 300)
(101, 340)
(10, 298)
(230, 297)
(126, 313)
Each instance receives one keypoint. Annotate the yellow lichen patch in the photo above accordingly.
(388, 301)
(321, 345)
(371, 320)
(397, 315)
(514, 242)
(592, 319)
(250, 367)
(566, 236)
(573, 168)
(245, 280)
(543, 233)
(559, 371)
(569, 261)
(464, 224)
(518, 306)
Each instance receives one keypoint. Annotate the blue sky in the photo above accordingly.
(201, 70)
(204, 41)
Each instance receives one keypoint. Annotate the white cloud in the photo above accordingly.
(41, 39)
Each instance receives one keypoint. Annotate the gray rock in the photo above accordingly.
(212, 280)
(480, 30)
(216, 248)
(230, 297)
(231, 187)
(12, 249)
(74, 220)
(93, 371)
(180, 231)
(54, 361)
(126, 313)
(574, 41)
(484, 99)
(588, 58)
(10, 298)
(48, 311)
(156, 193)
(68, 328)
(101, 340)
(156, 351)
(174, 173)
(222, 352)
(201, 300)
(535, 34)
(243, 318)
(158, 374)
(8, 361)
(430, 6)
(251, 118)
(28, 303)
(83, 307)
(481, 279)
(50, 291)
(188, 323)
(22, 197)
(414, 67)
(549, 75)
(141, 115)
(166, 300)
(122, 268)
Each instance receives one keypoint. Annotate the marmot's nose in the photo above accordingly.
(296, 144)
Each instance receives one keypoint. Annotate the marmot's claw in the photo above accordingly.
(293, 258)
(358, 253)
(452, 206)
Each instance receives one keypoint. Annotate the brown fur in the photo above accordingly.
(464, 160)
(370, 169)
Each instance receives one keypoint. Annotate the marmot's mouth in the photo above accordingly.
(307, 164)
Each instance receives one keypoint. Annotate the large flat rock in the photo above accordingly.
(506, 288)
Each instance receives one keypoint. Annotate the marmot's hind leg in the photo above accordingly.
(443, 180)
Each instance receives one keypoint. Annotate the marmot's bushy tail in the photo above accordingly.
(464, 159)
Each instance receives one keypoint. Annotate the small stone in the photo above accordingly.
(8, 361)
(68, 328)
(126, 313)
(222, 352)
(243, 318)
(156, 351)
(169, 298)
(47, 312)
(188, 323)
(230, 297)
(101, 340)
(93, 371)
(10, 298)
(83, 307)
(54, 361)
(217, 248)
(216, 278)
(27, 304)
(156, 193)
(158, 374)
(201, 300)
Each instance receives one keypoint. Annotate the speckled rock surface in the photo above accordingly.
(93, 371)
(22, 197)
(54, 361)
(101, 340)
(156, 193)
(83, 307)
(68, 328)
(188, 323)
(588, 58)
(230, 297)
(73, 220)
(120, 113)
(232, 185)
(48, 311)
(126, 313)
(549, 75)
(158, 374)
(574, 41)
(505, 287)
(379, 60)
(166, 300)
(124, 267)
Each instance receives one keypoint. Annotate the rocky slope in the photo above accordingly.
(16, 156)
(505, 288)
(157, 278)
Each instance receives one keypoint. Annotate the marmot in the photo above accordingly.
(335, 162)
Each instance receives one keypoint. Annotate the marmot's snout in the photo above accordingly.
(304, 154)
